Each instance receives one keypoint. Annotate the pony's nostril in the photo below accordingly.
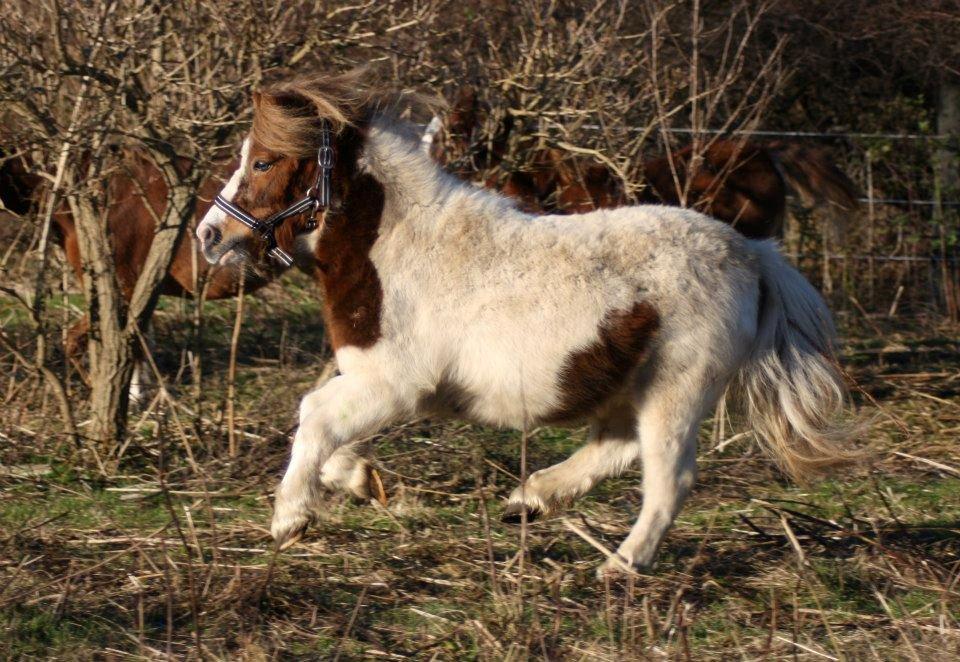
(209, 236)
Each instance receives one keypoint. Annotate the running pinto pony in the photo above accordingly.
(445, 299)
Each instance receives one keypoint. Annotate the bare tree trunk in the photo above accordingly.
(113, 322)
(109, 76)
(110, 387)
(111, 359)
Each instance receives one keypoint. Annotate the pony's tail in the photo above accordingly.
(791, 386)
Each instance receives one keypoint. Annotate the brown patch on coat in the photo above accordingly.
(591, 376)
(814, 176)
(18, 185)
(286, 132)
(353, 296)
(352, 293)
(136, 194)
(264, 193)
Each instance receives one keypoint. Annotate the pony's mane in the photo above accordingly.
(287, 114)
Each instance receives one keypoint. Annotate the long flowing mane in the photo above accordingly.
(287, 114)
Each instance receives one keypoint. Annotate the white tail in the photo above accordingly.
(792, 387)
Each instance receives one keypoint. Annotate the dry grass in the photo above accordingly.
(170, 555)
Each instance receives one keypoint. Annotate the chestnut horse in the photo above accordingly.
(738, 182)
(441, 298)
(137, 194)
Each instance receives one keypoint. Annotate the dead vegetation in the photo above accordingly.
(171, 557)
(155, 545)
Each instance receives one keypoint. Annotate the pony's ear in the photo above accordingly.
(257, 99)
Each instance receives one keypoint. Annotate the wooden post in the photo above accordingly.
(825, 247)
(871, 238)
(232, 371)
(947, 184)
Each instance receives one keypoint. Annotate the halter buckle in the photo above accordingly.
(325, 157)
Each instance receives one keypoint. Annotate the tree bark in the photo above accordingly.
(113, 322)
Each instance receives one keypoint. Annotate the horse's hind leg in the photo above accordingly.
(668, 422)
(612, 448)
(76, 341)
(142, 381)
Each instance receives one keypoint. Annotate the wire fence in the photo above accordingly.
(834, 135)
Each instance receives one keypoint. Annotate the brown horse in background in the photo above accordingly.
(742, 183)
(137, 195)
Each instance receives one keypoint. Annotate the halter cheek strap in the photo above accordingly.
(316, 199)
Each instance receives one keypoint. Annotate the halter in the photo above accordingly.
(317, 198)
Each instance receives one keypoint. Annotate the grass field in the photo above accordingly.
(169, 554)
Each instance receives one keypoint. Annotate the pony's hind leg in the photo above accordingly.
(668, 423)
(76, 340)
(612, 448)
(142, 381)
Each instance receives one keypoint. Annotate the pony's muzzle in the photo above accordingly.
(209, 236)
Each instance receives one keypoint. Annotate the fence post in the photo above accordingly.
(947, 178)
(871, 229)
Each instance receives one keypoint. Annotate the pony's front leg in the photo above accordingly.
(612, 448)
(346, 408)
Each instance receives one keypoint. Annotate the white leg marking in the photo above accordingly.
(138, 383)
(344, 409)
(669, 422)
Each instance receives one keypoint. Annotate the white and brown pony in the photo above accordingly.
(445, 299)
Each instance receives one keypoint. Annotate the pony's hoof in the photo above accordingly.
(375, 486)
(617, 567)
(287, 532)
(355, 476)
(513, 513)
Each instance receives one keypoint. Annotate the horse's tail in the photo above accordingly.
(791, 386)
(814, 176)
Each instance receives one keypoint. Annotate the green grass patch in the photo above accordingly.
(32, 632)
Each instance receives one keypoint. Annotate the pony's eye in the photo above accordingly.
(262, 166)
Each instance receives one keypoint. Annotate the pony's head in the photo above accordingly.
(279, 165)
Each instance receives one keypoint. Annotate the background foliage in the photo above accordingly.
(155, 545)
